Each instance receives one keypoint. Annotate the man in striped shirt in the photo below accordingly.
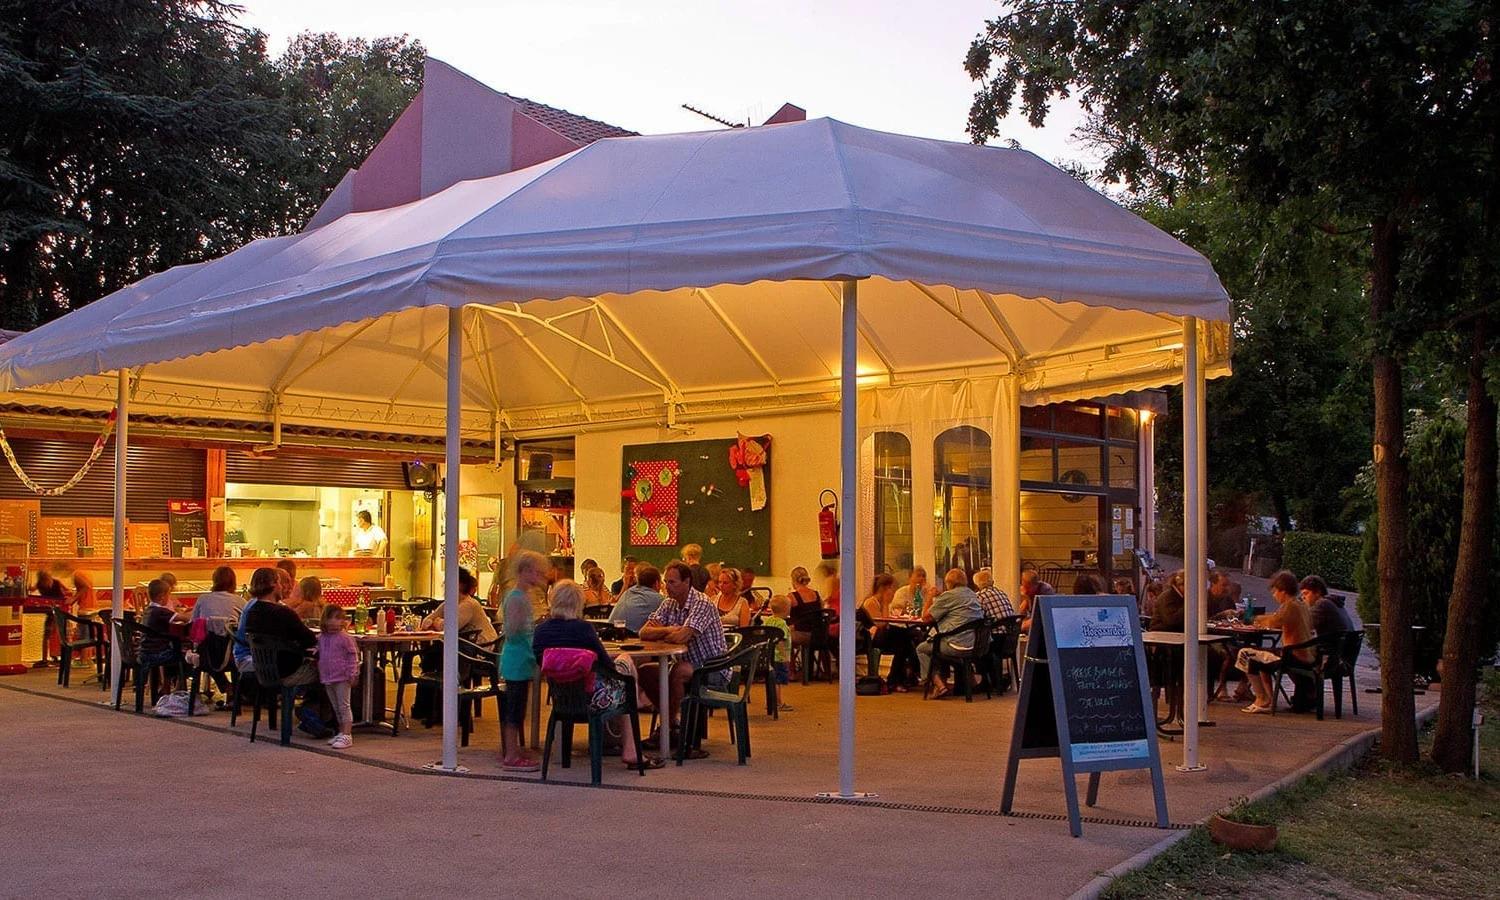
(995, 602)
(685, 616)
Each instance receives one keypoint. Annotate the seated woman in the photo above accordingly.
(734, 610)
(807, 610)
(473, 622)
(886, 638)
(595, 591)
(564, 627)
(307, 599)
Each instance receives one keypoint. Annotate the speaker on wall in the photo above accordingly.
(420, 476)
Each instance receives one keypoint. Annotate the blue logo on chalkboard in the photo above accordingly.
(1104, 615)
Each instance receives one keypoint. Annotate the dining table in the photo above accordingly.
(1171, 724)
(370, 644)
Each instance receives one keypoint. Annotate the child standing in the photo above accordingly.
(338, 669)
(781, 606)
(518, 660)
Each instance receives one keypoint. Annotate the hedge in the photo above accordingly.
(1333, 556)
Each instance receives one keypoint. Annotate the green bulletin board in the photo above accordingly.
(711, 507)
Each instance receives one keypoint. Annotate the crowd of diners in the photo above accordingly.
(532, 610)
(1304, 610)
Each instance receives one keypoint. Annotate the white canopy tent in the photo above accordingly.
(657, 279)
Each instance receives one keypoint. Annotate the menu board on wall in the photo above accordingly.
(150, 540)
(187, 521)
(489, 541)
(101, 534)
(61, 535)
(20, 520)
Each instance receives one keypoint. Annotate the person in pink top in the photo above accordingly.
(338, 669)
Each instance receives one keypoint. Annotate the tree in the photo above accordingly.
(128, 129)
(1291, 427)
(1356, 102)
(341, 97)
(138, 135)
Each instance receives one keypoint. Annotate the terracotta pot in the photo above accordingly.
(1239, 836)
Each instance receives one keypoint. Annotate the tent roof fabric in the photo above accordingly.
(642, 277)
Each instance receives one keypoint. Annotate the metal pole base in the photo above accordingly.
(1199, 768)
(835, 795)
(439, 767)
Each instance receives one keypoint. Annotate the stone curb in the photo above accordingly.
(1336, 760)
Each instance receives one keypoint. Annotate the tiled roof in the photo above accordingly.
(578, 129)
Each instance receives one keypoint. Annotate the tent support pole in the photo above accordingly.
(122, 446)
(450, 540)
(849, 530)
(1194, 526)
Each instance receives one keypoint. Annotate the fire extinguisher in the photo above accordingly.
(828, 525)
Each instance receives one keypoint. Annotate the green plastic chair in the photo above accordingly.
(570, 706)
(721, 683)
(767, 637)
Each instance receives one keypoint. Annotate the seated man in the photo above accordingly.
(629, 577)
(1032, 586)
(685, 616)
(639, 600)
(1168, 613)
(1223, 593)
(1328, 617)
(1295, 621)
(953, 608)
(994, 602)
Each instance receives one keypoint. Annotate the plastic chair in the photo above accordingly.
(816, 625)
(759, 599)
(421, 606)
(720, 683)
(570, 706)
(478, 678)
(964, 661)
(128, 635)
(265, 650)
(768, 638)
(1324, 649)
(89, 634)
(1340, 667)
(1005, 647)
(215, 657)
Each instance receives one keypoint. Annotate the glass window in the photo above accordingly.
(1080, 463)
(893, 510)
(963, 524)
(1079, 418)
(1121, 422)
(1036, 459)
(1122, 466)
(1036, 417)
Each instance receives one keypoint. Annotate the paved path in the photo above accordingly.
(192, 807)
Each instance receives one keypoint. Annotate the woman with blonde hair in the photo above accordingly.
(734, 612)
(517, 661)
(595, 592)
(565, 628)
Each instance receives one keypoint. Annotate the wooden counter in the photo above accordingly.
(350, 571)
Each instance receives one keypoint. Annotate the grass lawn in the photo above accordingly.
(1373, 831)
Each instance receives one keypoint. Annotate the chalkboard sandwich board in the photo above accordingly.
(1086, 661)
